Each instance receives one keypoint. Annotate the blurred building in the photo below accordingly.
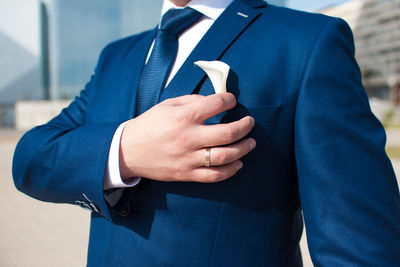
(277, 2)
(49, 48)
(376, 28)
(75, 31)
(19, 55)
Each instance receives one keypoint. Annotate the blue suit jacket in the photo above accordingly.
(320, 150)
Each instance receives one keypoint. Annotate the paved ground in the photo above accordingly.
(393, 137)
(38, 234)
(34, 233)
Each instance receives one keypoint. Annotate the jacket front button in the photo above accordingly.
(126, 210)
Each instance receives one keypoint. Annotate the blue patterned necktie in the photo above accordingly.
(158, 67)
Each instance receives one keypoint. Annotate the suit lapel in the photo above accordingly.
(137, 56)
(232, 22)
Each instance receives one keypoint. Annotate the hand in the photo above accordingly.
(168, 142)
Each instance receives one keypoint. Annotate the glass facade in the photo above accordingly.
(75, 31)
(277, 2)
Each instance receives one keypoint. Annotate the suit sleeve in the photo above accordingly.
(347, 185)
(64, 160)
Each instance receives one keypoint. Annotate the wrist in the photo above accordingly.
(125, 170)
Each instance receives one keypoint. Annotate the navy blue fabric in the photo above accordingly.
(320, 150)
(158, 67)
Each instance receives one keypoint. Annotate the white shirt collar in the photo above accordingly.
(210, 8)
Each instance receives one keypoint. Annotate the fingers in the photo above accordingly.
(225, 154)
(182, 100)
(200, 108)
(212, 105)
(223, 134)
(216, 174)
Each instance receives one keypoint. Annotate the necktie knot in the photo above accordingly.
(175, 21)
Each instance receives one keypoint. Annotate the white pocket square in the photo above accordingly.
(217, 71)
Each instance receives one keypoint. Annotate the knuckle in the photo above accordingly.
(181, 176)
(168, 101)
(188, 157)
(219, 101)
(176, 167)
(214, 177)
(189, 161)
(186, 114)
(231, 98)
(229, 135)
(183, 140)
(180, 171)
(180, 115)
(222, 157)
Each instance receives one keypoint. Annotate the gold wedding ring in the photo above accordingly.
(208, 159)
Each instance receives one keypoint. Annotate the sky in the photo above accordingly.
(312, 4)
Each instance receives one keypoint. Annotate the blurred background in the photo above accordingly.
(48, 50)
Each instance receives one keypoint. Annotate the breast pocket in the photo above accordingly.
(265, 114)
(261, 114)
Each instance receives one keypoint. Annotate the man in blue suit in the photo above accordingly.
(224, 176)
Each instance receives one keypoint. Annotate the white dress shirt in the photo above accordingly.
(187, 41)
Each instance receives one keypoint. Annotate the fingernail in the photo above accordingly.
(252, 144)
(253, 122)
(239, 165)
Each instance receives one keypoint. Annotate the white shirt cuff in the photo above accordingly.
(112, 176)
